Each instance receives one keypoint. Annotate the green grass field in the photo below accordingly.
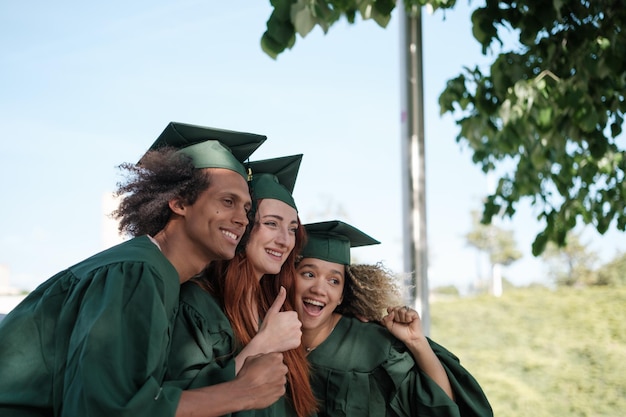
(540, 352)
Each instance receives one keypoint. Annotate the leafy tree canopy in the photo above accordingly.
(546, 116)
(301, 16)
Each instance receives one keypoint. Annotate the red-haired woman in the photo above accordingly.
(242, 307)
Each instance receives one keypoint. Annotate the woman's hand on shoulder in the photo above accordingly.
(405, 324)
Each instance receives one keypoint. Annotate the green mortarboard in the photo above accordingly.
(331, 241)
(209, 147)
(274, 178)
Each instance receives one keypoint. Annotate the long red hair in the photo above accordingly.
(234, 283)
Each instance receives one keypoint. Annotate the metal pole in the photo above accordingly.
(413, 166)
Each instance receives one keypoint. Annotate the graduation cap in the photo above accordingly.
(274, 178)
(331, 241)
(210, 147)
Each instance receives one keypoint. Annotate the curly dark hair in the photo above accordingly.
(149, 185)
(369, 289)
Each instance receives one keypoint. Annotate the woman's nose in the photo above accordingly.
(282, 237)
(317, 287)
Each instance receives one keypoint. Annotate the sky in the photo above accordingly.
(86, 86)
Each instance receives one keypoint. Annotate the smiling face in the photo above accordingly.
(319, 290)
(217, 220)
(273, 236)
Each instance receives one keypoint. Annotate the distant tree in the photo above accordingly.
(614, 272)
(547, 112)
(573, 264)
(499, 244)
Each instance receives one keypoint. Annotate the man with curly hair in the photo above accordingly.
(93, 340)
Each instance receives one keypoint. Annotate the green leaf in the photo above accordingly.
(280, 32)
(270, 47)
(482, 29)
(539, 244)
(384, 7)
(544, 119)
(302, 18)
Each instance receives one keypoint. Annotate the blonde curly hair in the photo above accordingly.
(368, 291)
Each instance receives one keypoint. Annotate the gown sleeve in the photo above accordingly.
(92, 340)
(27, 354)
(202, 343)
(117, 347)
(468, 394)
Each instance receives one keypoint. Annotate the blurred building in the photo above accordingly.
(9, 296)
(5, 282)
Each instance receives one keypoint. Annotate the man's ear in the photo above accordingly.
(177, 206)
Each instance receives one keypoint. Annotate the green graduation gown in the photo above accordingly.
(203, 348)
(93, 339)
(362, 370)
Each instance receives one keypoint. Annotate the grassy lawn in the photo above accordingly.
(540, 352)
